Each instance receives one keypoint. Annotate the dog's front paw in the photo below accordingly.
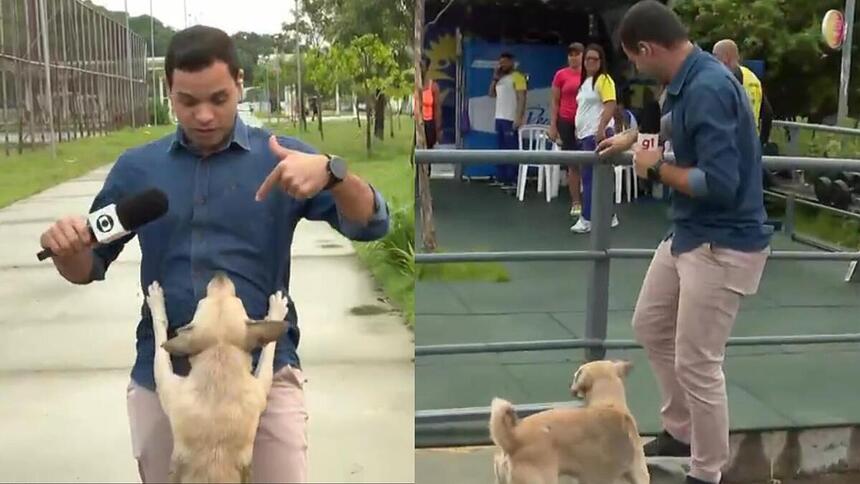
(277, 307)
(155, 300)
(155, 297)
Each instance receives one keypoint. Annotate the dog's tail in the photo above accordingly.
(503, 420)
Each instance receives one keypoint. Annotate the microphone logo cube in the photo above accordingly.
(106, 225)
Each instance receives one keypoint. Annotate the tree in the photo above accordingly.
(345, 20)
(802, 76)
(249, 47)
(373, 66)
(400, 88)
(428, 228)
(326, 69)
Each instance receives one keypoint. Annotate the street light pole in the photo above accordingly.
(128, 56)
(302, 120)
(43, 17)
(842, 108)
(152, 67)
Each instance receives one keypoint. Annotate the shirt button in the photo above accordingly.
(201, 200)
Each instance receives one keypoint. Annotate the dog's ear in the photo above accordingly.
(581, 383)
(623, 368)
(186, 342)
(263, 332)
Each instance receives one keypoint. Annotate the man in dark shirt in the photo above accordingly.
(236, 194)
(716, 250)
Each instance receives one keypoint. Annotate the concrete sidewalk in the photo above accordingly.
(66, 352)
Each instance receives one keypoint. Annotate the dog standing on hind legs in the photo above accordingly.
(214, 412)
(596, 444)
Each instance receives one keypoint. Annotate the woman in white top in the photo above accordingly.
(594, 121)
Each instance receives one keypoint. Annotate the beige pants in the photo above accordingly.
(280, 449)
(684, 315)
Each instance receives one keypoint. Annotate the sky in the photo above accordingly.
(231, 16)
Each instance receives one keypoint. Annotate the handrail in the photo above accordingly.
(599, 253)
(817, 127)
(576, 158)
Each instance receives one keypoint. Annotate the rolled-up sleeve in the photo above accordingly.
(712, 122)
(323, 207)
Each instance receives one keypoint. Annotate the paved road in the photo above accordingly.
(66, 351)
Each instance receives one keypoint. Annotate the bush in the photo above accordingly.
(398, 247)
(161, 114)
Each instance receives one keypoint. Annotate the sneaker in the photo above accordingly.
(615, 221)
(666, 446)
(575, 210)
(581, 226)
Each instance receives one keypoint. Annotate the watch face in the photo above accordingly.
(338, 167)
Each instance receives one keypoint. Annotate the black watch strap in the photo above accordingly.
(654, 171)
(336, 171)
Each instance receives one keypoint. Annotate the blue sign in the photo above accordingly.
(538, 63)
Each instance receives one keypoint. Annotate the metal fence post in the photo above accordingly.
(788, 224)
(597, 298)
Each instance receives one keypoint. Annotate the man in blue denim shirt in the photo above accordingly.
(226, 214)
(718, 244)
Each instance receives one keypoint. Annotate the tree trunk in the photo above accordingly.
(367, 107)
(357, 114)
(379, 115)
(319, 118)
(391, 122)
(428, 229)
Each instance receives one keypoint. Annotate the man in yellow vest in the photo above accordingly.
(727, 52)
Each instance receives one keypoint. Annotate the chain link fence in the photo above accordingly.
(67, 71)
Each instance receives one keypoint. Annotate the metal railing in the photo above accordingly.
(600, 253)
(793, 129)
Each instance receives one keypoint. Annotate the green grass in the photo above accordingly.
(387, 167)
(464, 271)
(34, 171)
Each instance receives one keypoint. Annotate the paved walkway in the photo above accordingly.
(66, 352)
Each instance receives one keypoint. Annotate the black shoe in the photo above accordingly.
(693, 480)
(666, 446)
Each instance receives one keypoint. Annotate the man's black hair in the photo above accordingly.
(651, 21)
(197, 48)
(506, 55)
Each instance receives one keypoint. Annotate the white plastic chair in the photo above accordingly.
(537, 137)
(626, 173)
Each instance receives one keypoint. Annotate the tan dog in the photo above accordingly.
(214, 411)
(596, 444)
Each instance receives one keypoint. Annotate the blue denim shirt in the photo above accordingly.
(713, 132)
(214, 224)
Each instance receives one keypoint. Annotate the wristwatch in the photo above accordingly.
(654, 171)
(336, 167)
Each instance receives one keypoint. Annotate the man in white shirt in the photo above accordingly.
(509, 89)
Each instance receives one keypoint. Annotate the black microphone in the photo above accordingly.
(115, 221)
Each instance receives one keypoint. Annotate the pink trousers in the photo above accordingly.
(280, 449)
(683, 317)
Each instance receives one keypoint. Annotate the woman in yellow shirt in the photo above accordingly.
(595, 111)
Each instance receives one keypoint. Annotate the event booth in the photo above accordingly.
(465, 38)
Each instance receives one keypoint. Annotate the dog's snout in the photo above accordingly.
(220, 283)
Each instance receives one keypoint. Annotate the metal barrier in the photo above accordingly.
(594, 343)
